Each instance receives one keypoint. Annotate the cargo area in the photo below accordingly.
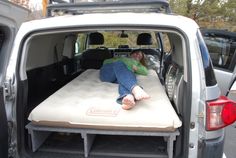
(57, 89)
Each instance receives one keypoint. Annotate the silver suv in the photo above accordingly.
(53, 104)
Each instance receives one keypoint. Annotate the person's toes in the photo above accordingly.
(145, 96)
(139, 93)
(128, 102)
(126, 107)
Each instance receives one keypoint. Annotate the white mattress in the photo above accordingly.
(89, 103)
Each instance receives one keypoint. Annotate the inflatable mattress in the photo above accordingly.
(86, 102)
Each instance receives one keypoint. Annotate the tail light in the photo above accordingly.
(220, 113)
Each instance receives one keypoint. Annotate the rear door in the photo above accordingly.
(11, 16)
(222, 49)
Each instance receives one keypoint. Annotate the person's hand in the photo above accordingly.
(134, 68)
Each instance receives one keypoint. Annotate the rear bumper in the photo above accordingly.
(212, 148)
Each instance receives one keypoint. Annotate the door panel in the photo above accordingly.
(224, 80)
(11, 17)
(232, 92)
(3, 128)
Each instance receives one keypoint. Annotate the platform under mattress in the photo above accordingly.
(86, 102)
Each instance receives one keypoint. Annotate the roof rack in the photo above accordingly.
(74, 7)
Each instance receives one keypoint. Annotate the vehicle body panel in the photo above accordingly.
(11, 17)
(224, 79)
(105, 21)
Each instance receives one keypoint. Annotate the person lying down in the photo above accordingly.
(123, 70)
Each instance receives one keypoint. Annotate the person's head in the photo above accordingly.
(138, 55)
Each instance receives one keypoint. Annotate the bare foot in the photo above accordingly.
(128, 102)
(139, 93)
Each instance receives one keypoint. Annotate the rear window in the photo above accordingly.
(126, 39)
(207, 64)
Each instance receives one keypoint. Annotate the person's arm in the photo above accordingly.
(140, 69)
(110, 60)
(135, 66)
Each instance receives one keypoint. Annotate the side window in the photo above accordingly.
(222, 51)
(80, 44)
(166, 43)
(166, 58)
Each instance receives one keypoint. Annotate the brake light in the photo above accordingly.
(220, 113)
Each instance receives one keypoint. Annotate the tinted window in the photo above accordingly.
(208, 68)
(80, 44)
(221, 50)
(1, 39)
(166, 43)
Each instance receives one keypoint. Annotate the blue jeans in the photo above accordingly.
(118, 72)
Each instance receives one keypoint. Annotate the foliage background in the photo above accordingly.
(219, 14)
